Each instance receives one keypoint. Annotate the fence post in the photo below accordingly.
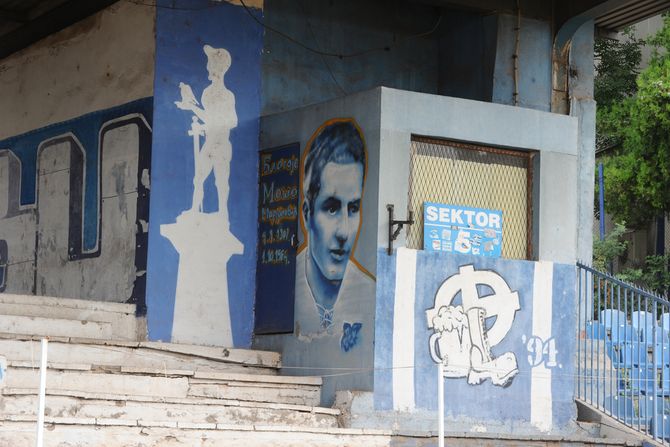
(42, 396)
(440, 404)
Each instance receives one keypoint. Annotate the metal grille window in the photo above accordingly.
(482, 177)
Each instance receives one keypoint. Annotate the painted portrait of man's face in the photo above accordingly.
(334, 174)
(333, 224)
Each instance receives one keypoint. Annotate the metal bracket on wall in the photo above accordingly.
(393, 233)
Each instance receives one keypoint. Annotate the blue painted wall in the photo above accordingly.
(536, 356)
(86, 129)
(341, 352)
(182, 30)
(467, 55)
(534, 72)
(77, 203)
(458, 53)
(376, 38)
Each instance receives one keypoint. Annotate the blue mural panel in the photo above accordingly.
(279, 170)
(80, 190)
(85, 131)
(504, 331)
(203, 211)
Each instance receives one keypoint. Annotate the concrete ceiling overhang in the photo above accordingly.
(612, 15)
(23, 22)
(632, 12)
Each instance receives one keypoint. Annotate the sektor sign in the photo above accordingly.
(460, 229)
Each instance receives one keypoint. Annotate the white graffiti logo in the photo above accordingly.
(461, 341)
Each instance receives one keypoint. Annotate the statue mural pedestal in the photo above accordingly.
(205, 245)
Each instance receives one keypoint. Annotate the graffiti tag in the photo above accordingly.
(461, 339)
(540, 351)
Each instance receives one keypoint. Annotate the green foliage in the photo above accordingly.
(609, 249)
(637, 175)
(615, 81)
(653, 275)
(618, 61)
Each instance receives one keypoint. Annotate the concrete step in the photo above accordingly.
(51, 316)
(606, 426)
(81, 432)
(161, 384)
(19, 324)
(166, 410)
(113, 355)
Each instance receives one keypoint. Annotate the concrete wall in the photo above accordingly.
(583, 106)
(103, 61)
(534, 63)
(203, 213)
(504, 330)
(375, 37)
(460, 54)
(75, 147)
(341, 352)
(388, 119)
(553, 136)
(467, 55)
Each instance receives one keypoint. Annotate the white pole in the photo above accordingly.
(440, 404)
(43, 386)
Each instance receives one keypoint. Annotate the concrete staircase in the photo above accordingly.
(107, 386)
(602, 425)
(62, 317)
(105, 382)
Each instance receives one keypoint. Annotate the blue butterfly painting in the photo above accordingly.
(350, 335)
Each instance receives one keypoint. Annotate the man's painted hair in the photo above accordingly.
(338, 142)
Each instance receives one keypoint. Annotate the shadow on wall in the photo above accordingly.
(74, 207)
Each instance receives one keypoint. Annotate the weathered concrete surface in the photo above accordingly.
(102, 61)
(608, 427)
(19, 232)
(172, 411)
(100, 354)
(74, 432)
(597, 376)
(18, 324)
(554, 137)
(64, 317)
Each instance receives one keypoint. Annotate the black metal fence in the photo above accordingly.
(623, 352)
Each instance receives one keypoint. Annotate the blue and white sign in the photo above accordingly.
(461, 229)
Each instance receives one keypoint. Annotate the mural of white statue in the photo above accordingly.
(213, 120)
(203, 240)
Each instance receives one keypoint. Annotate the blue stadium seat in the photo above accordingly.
(648, 406)
(640, 356)
(665, 382)
(660, 426)
(612, 317)
(621, 408)
(623, 333)
(661, 354)
(654, 334)
(665, 321)
(642, 319)
(595, 331)
(643, 380)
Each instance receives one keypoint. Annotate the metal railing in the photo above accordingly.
(623, 352)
